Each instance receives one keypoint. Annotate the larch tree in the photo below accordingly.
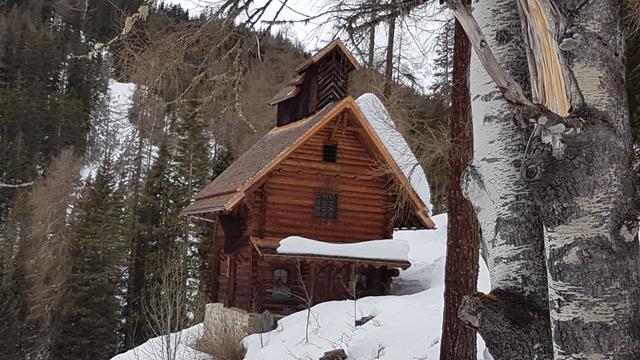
(551, 180)
(461, 267)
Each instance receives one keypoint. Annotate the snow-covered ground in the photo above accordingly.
(113, 133)
(177, 345)
(406, 325)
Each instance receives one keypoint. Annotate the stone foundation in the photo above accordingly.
(223, 322)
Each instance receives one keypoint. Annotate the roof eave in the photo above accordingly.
(327, 49)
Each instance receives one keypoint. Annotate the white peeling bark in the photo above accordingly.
(509, 218)
(587, 198)
(577, 181)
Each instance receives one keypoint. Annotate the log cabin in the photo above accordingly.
(315, 175)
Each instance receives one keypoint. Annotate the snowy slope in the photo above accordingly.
(113, 134)
(404, 327)
(155, 348)
(375, 111)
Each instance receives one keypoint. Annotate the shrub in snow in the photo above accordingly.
(226, 344)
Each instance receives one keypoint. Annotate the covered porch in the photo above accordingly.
(298, 272)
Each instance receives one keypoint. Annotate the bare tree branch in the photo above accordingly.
(512, 90)
(13, 186)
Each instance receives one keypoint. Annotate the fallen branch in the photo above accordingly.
(511, 89)
(13, 186)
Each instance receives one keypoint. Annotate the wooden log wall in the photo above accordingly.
(284, 204)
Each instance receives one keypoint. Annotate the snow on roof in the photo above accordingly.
(379, 119)
(390, 249)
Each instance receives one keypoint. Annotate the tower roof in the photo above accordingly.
(335, 44)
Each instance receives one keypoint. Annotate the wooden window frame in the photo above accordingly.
(330, 152)
(276, 280)
(325, 205)
(280, 290)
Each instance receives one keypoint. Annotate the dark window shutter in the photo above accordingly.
(330, 152)
(326, 206)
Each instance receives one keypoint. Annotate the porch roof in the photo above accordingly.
(322, 251)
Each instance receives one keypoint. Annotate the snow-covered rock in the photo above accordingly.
(378, 116)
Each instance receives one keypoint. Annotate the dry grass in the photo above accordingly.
(225, 345)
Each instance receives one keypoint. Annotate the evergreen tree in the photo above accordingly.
(154, 232)
(14, 334)
(443, 62)
(193, 165)
(39, 73)
(90, 325)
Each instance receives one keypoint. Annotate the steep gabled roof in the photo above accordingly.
(224, 193)
(228, 188)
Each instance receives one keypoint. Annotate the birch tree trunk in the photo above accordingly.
(586, 189)
(513, 318)
(571, 179)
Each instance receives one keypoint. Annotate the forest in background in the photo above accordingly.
(90, 221)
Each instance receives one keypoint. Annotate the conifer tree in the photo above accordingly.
(91, 317)
(193, 168)
(14, 336)
(443, 62)
(154, 232)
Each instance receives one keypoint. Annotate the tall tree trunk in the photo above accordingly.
(372, 39)
(135, 280)
(513, 318)
(586, 189)
(461, 268)
(372, 45)
(576, 167)
(388, 69)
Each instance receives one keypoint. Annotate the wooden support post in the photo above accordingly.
(214, 258)
(231, 281)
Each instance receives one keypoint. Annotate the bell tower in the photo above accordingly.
(320, 80)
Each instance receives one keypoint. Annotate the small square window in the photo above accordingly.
(280, 276)
(280, 290)
(326, 206)
(330, 152)
(361, 281)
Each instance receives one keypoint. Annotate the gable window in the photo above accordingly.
(326, 205)
(330, 152)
